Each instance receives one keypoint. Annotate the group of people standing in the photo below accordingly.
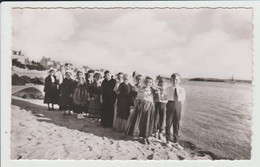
(133, 105)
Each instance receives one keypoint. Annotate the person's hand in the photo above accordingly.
(70, 96)
(88, 99)
(101, 101)
(132, 111)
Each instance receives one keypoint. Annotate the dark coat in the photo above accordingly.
(66, 90)
(109, 98)
(125, 100)
(51, 91)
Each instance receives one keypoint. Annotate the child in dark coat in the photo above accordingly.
(51, 91)
(66, 90)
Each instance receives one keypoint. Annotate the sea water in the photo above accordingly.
(217, 118)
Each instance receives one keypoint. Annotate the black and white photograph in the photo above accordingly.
(131, 83)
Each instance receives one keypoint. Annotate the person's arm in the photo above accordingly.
(88, 96)
(101, 100)
(116, 86)
(102, 92)
(183, 95)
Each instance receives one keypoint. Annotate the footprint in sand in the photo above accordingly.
(150, 157)
(90, 148)
(39, 115)
(180, 157)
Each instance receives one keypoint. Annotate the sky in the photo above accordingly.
(202, 42)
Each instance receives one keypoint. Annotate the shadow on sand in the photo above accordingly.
(87, 126)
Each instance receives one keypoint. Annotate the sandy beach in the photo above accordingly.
(37, 133)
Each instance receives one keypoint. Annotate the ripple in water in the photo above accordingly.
(217, 118)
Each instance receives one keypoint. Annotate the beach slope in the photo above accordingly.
(37, 133)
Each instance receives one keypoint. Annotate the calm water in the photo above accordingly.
(217, 118)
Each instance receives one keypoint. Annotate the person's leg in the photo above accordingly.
(162, 117)
(156, 120)
(111, 114)
(48, 106)
(162, 120)
(103, 114)
(169, 119)
(176, 121)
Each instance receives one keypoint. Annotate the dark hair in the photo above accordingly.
(139, 75)
(174, 75)
(79, 72)
(66, 64)
(51, 71)
(90, 71)
(161, 80)
(120, 73)
(106, 72)
(97, 74)
(148, 78)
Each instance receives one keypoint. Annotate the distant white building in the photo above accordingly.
(18, 56)
(47, 62)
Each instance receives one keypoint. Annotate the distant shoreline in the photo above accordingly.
(220, 80)
(212, 80)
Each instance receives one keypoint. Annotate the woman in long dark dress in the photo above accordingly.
(124, 102)
(89, 76)
(94, 106)
(119, 80)
(108, 100)
(51, 91)
(66, 90)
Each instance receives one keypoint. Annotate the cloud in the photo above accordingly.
(193, 42)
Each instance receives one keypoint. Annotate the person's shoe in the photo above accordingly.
(168, 144)
(175, 138)
(178, 146)
(49, 109)
(148, 141)
(145, 142)
(156, 135)
(80, 116)
(161, 136)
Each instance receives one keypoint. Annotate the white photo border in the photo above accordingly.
(6, 38)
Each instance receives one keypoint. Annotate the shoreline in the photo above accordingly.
(86, 128)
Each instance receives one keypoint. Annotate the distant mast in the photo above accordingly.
(232, 81)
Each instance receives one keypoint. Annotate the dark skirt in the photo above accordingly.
(79, 98)
(51, 95)
(107, 112)
(65, 102)
(140, 123)
(94, 107)
(123, 108)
